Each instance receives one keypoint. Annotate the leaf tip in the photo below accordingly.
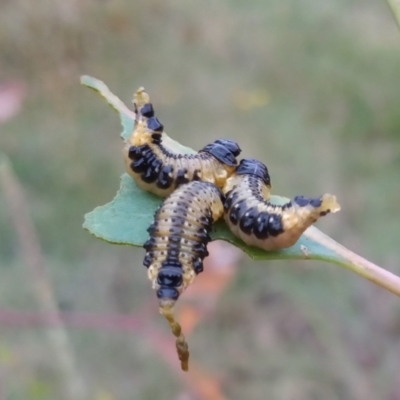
(85, 79)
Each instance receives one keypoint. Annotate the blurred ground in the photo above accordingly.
(310, 88)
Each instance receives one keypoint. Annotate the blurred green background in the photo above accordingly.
(311, 88)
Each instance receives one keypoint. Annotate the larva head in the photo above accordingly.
(251, 166)
(148, 128)
(232, 146)
(221, 152)
(140, 98)
(169, 281)
(330, 202)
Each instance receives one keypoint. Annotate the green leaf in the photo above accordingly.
(126, 218)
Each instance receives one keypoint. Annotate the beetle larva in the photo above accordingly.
(158, 170)
(178, 245)
(252, 218)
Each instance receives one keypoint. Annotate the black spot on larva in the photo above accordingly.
(167, 293)
(171, 264)
(198, 265)
(151, 159)
(175, 230)
(182, 213)
(203, 220)
(232, 146)
(150, 175)
(147, 152)
(148, 258)
(180, 177)
(196, 175)
(173, 254)
(170, 276)
(135, 152)
(275, 225)
(233, 217)
(175, 238)
(152, 228)
(200, 249)
(253, 182)
(261, 230)
(154, 124)
(302, 201)
(164, 179)
(247, 221)
(174, 246)
(147, 110)
(180, 219)
(221, 153)
(202, 235)
(237, 211)
(316, 202)
(231, 198)
(228, 201)
(287, 205)
(152, 171)
(251, 166)
(156, 138)
(139, 166)
(157, 165)
(246, 225)
(149, 244)
(323, 213)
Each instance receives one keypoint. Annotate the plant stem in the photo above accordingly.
(346, 258)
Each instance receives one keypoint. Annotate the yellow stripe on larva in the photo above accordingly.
(177, 246)
(252, 218)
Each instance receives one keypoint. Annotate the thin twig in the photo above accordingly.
(346, 258)
(32, 255)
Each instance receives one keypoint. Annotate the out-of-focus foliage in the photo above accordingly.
(308, 87)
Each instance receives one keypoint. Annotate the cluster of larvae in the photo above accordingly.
(199, 189)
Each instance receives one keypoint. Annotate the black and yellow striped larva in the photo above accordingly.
(252, 218)
(178, 245)
(159, 170)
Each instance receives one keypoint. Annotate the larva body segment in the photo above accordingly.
(178, 245)
(252, 218)
(158, 170)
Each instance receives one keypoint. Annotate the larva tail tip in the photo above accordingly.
(166, 309)
(329, 202)
(185, 365)
(182, 349)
